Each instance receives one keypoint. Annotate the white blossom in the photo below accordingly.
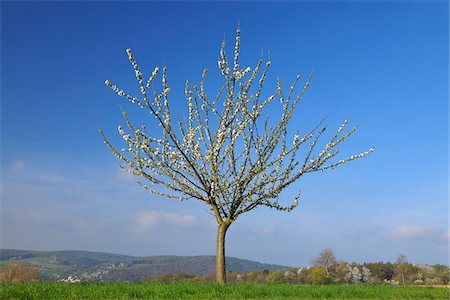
(224, 152)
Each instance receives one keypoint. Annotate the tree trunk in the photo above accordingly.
(221, 274)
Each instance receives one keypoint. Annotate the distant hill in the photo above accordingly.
(97, 266)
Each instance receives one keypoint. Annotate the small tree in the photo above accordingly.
(356, 275)
(400, 266)
(225, 154)
(366, 275)
(327, 261)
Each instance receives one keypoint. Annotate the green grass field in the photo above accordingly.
(192, 290)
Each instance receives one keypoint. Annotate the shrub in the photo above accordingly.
(276, 277)
(318, 276)
(15, 272)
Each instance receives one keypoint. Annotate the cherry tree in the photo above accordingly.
(228, 153)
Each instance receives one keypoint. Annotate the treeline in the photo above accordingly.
(327, 270)
(384, 273)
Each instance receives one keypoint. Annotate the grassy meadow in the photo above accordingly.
(195, 290)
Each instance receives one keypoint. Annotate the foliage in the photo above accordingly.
(193, 290)
(15, 272)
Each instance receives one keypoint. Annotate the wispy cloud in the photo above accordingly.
(44, 177)
(270, 229)
(146, 220)
(18, 166)
(363, 231)
(416, 232)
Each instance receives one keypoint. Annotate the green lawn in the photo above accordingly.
(192, 290)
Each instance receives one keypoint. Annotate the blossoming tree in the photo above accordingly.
(226, 154)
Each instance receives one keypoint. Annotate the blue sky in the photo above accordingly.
(382, 65)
